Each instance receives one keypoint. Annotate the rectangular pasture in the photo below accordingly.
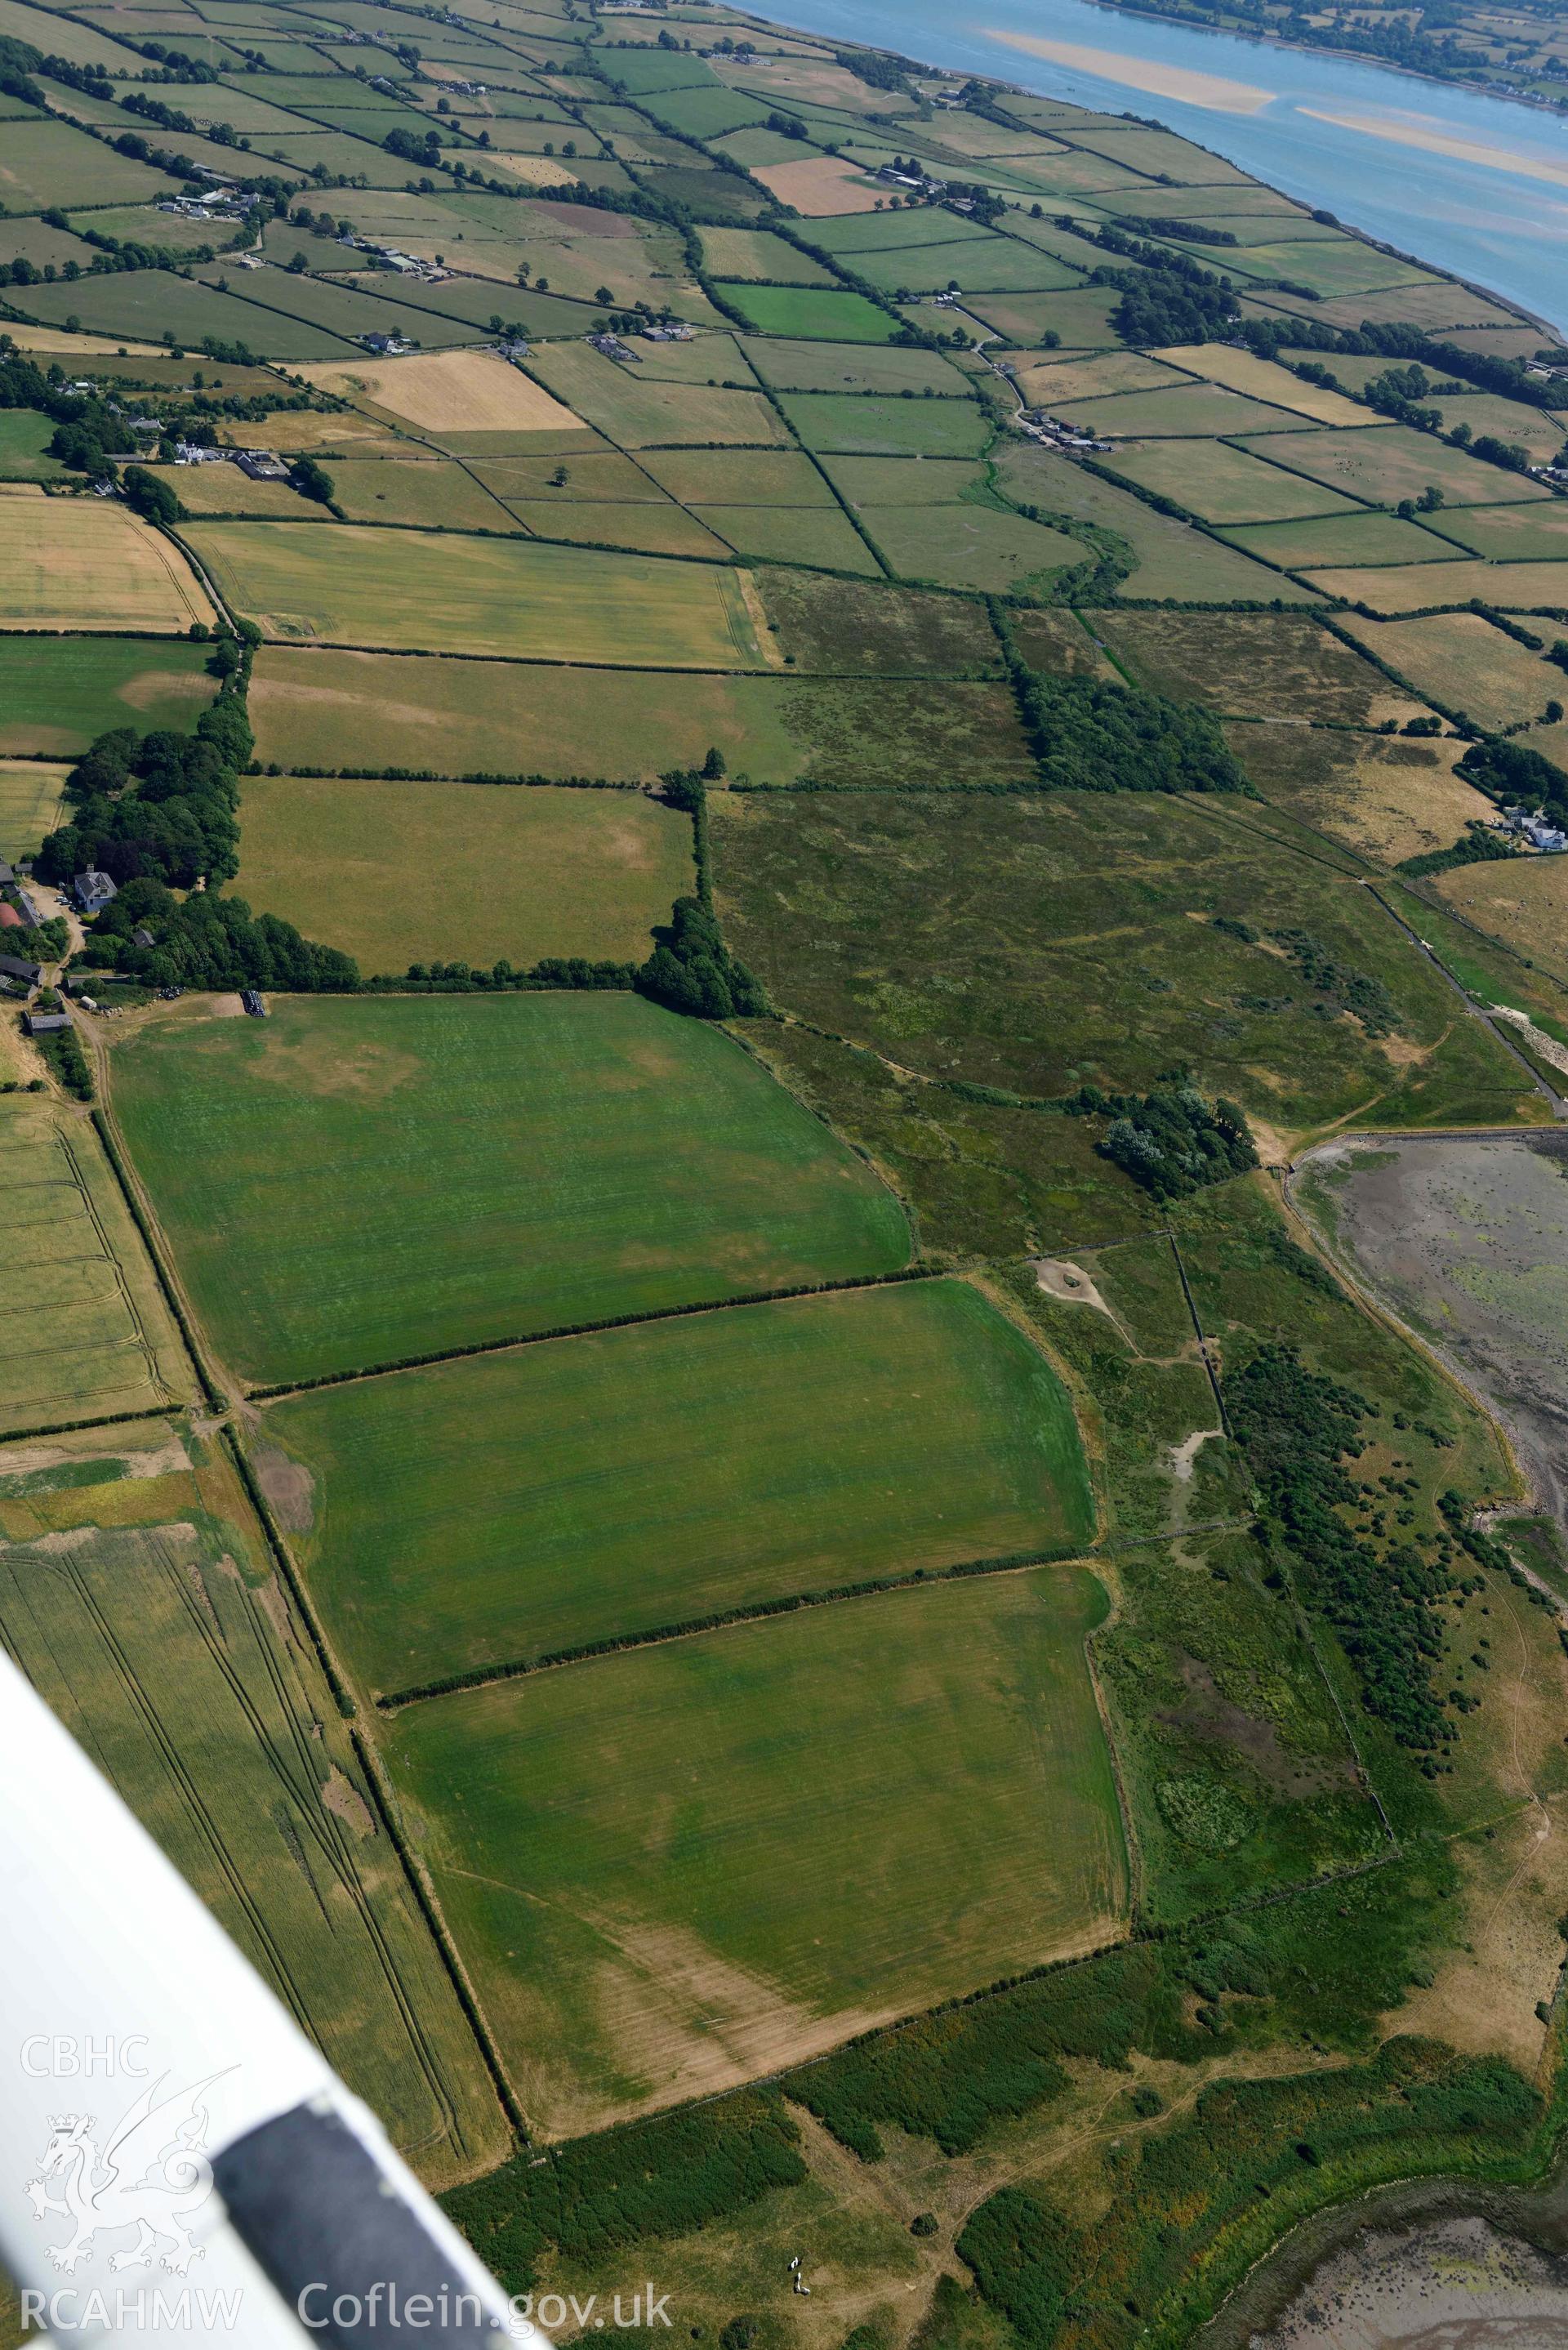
(1172, 558)
(75, 1266)
(524, 871)
(862, 425)
(360, 1180)
(1508, 534)
(1221, 484)
(88, 564)
(638, 415)
(1264, 380)
(426, 592)
(756, 253)
(940, 1738)
(358, 711)
(1385, 463)
(464, 1521)
(137, 1594)
(810, 313)
(1465, 662)
(1267, 665)
(1189, 411)
(146, 304)
(50, 162)
(57, 693)
(1348, 539)
(1413, 587)
(814, 536)
(1523, 903)
(1386, 799)
(968, 545)
(448, 391)
(893, 368)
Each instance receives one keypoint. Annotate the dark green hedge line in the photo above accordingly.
(659, 2178)
(687, 1628)
(586, 1329)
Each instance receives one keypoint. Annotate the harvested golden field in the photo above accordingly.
(819, 185)
(83, 563)
(1415, 586)
(1524, 903)
(538, 171)
(29, 805)
(1465, 662)
(449, 392)
(292, 430)
(1386, 798)
(1243, 371)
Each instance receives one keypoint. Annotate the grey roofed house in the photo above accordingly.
(45, 1024)
(6, 874)
(13, 967)
(92, 891)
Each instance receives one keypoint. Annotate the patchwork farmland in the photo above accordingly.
(715, 754)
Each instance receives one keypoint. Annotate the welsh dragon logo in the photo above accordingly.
(151, 2174)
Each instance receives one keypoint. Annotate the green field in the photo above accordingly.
(961, 545)
(48, 162)
(746, 477)
(675, 1805)
(1509, 533)
(1386, 463)
(859, 425)
(506, 1507)
(75, 1267)
(1221, 484)
(999, 264)
(1039, 945)
(444, 594)
(810, 535)
(1363, 539)
(524, 872)
(810, 313)
(361, 1179)
(29, 805)
(1189, 411)
(818, 367)
(754, 253)
(1172, 560)
(431, 493)
(137, 1594)
(637, 414)
(148, 305)
(25, 437)
(358, 710)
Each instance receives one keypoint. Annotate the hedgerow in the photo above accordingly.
(658, 2178)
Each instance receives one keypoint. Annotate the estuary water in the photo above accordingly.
(1475, 185)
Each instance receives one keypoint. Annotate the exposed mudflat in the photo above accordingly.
(1454, 2285)
(1466, 1239)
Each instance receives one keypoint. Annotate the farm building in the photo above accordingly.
(13, 967)
(45, 1024)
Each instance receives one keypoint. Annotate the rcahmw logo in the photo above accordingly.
(144, 2179)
